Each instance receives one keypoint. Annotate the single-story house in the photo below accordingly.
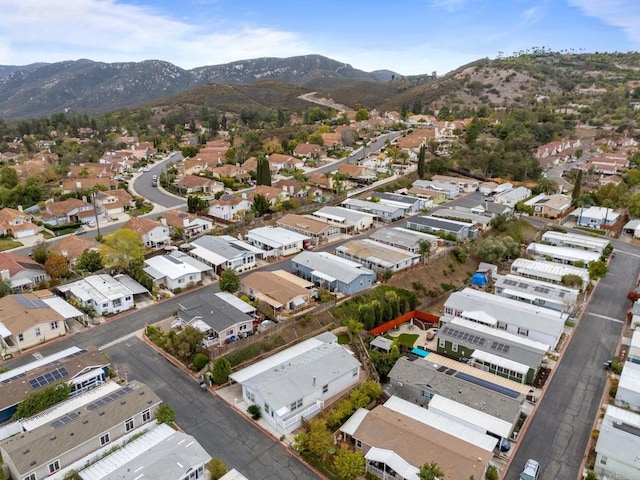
(72, 246)
(198, 184)
(176, 270)
(596, 217)
(22, 272)
(413, 204)
(349, 221)
(617, 444)
(573, 240)
(466, 185)
(318, 231)
(543, 294)
(281, 290)
(377, 256)
(294, 383)
(548, 271)
(154, 234)
(103, 293)
(222, 253)
(513, 196)
(190, 223)
(276, 241)
(449, 189)
(563, 255)
(71, 210)
(405, 239)
(423, 223)
(332, 272)
(381, 211)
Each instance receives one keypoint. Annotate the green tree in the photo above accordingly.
(597, 269)
(57, 266)
(263, 172)
(42, 399)
(632, 177)
(260, 205)
(221, 371)
(195, 204)
(122, 249)
(5, 288)
(421, 161)
(217, 468)
(255, 411)
(497, 249)
(424, 249)
(9, 177)
(349, 464)
(165, 414)
(577, 186)
(320, 438)
(492, 473)
(89, 261)
(430, 471)
(229, 281)
(634, 205)
(362, 114)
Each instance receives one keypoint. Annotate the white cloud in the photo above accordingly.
(624, 14)
(532, 15)
(105, 30)
(448, 5)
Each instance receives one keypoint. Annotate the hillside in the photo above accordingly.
(95, 87)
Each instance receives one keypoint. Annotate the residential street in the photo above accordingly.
(142, 184)
(559, 432)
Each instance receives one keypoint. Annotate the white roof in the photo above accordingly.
(234, 301)
(211, 257)
(323, 276)
(549, 270)
(65, 309)
(480, 316)
(468, 414)
(440, 422)
(97, 288)
(615, 441)
(171, 267)
(70, 405)
(351, 425)
(497, 332)
(597, 212)
(630, 377)
(370, 206)
(275, 237)
(394, 461)
(39, 363)
(576, 239)
(233, 474)
(568, 253)
(273, 361)
(500, 361)
(341, 214)
(634, 346)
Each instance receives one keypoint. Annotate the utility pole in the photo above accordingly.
(95, 211)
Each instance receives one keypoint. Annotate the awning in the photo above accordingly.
(65, 309)
(323, 276)
(201, 325)
(4, 331)
(135, 287)
(500, 361)
(298, 301)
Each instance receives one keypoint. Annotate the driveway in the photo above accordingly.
(559, 432)
(221, 431)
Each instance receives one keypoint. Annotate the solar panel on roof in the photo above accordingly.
(49, 377)
(489, 385)
(29, 303)
(441, 369)
(63, 420)
(109, 398)
(450, 371)
(173, 259)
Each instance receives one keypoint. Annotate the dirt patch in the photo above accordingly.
(434, 281)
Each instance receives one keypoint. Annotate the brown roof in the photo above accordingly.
(229, 170)
(85, 183)
(18, 318)
(60, 209)
(280, 158)
(330, 139)
(197, 164)
(274, 286)
(15, 263)
(228, 199)
(123, 198)
(302, 223)
(7, 215)
(268, 192)
(175, 218)
(320, 179)
(307, 148)
(194, 181)
(15, 390)
(141, 225)
(418, 443)
(72, 246)
(92, 169)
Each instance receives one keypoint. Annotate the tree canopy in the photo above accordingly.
(122, 249)
(229, 281)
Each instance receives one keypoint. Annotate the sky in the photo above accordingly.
(407, 36)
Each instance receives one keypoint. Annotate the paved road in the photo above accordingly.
(559, 432)
(142, 184)
(220, 430)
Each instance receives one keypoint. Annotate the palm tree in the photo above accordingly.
(424, 249)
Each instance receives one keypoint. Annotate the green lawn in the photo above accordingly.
(9, 243)
(343, 339)
(407, 339)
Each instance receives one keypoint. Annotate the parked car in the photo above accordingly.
(80, 232)
(530, 471)
(91, 223)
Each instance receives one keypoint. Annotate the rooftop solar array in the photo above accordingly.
(489, 385)
(541, 289)
(49, 377)
(11, 379)
(465, 337)
(109, 398)
(500, 347)
(30, 303)
(63, 420)
(173, 259)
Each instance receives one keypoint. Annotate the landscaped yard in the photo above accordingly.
(9, 243)
(406, 339)
(343, 339)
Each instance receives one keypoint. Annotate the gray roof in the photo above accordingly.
(131, 284)
(548, 291)
(220, 246)
(368, 206)
(474, 217)
(396, 197)
(293, 379)
(45, 444)
(439, 223)
(401, 237)
(422, 374)
(162, 452)
(346, 213)
(344, 271)
(619, 435)
(476, 200)
(492, 340)
(213, 310)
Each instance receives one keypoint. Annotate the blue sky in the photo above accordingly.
(407, 36)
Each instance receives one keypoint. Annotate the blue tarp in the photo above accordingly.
(420, 352)
(479, 279)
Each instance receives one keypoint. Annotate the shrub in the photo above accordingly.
(40, 400)
(199, 361)
(616, 365)
(255, 411)
(492, 473)
(165, 414)
(221, 370)
(217, 468)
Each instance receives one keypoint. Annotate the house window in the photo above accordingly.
(54, 467)
(501, 325)
(128, 425)
(441, 342)
(523, 331)
(603, 460)
(358, 444)
(54, 325)
(454, 347)
(31, 476)
(105, 305)
(127, 299)
(117, 302)
(181, 280)
(37, 330)
(146, 415)
(104, 439)
(295, 405)
(251, 396)
(325, 388)
(20, 337)
(266, 409)
(354, 373)
(425, 394)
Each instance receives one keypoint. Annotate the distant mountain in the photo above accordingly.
(95, 87)
(7, 69)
